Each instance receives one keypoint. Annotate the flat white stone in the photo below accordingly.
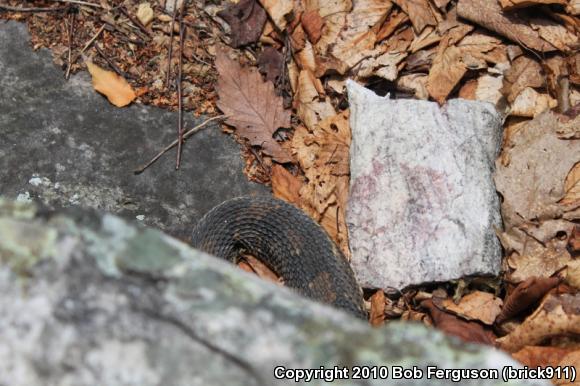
(422, 204)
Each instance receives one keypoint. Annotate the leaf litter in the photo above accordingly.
(520, 55)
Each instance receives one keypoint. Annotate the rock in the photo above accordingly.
(63, 144)
(88, 299)
(422, 205)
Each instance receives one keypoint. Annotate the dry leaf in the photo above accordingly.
(572, 187)
(250, 264)
(359, 35)
(525, 295)
(538, 260)
(538, 356)
(513, 4)
(117, 90)
(523, 73)
(246, 19)
(488, 14)
(555, 34)
(446, 71)
(420, 13)
(252, 106)
(278, 11)
(466, 330)
(573, 274)
(323, 154)
(285, 185)
(311, 109)
(558, 315)
(312, 23)
(271, 64)
(393, 22)
(416, 83)
(145, 13)
(487, 89)
(377, 314)
(530, 103)
(477, 305)
(533, 183)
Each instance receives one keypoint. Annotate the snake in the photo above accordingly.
(288, 242)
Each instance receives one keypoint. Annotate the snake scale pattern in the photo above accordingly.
(288, 241)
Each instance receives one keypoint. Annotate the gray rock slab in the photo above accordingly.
(63, 144)
(89, 299)
(422, 204)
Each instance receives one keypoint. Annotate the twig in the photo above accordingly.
(170, 49)
(79, 2)
(186, 135)
(180, 97)
(8, 8)
(70, 39)
(113, 65)
(88, 44)
(135, 21)
(179, 90)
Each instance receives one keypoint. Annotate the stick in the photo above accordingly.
(186, 135)
(113, 65)
(170, 49)
(80, 3)
(8, 8)
(70, 38)
(180, 95)
(91, 41)
(135, 21)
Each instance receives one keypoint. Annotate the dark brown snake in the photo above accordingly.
(288, 241)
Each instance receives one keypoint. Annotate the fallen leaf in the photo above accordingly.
(246, 19)
(570, 361)
(446, 71)
(312, 23)
(251, 105)
(574, 240)
(271, 64)
(555, 34)
(250, 264)
(377, 314)
(285, 185)
(356, 41)
(311, 109)
(524, 72)
(488, 14)
(525, 295)
(530, 103)
(117, 90)
(323, 154)
(416, 83)
(477, 305)
(393, 22)
(278, 11)
(513, 4)
(558, 315)
(573, 274)
(145, 13)
(487, 89)
(538, 356)
(533, 183)
(572, 187)
(467, 331)
(420, 13)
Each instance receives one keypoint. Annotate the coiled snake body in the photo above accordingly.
(288, 241)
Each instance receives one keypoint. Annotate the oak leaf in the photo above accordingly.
(252, 106)
(117, 90)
